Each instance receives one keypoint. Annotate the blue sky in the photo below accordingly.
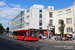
(10, 8)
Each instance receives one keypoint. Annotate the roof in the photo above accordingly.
(22, 29)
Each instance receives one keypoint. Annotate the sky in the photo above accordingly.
(10, 8)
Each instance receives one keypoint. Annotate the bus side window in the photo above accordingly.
(24, 33)
(27, 33)
(21, 33)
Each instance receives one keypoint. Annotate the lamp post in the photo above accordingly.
(48, 32)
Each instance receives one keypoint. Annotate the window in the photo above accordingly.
(69, 29)
(40, 10)
(50, 14)
(69, 20)
(40, 15)
(40, 28)
(27, 23)
(34, 32)
(59, 21)
(51, 22)
(22, 33)
(60, 13)
(22, 13)
(68, 11)
(40, 23)
(50, 8)
(28, 16)
(28, 11)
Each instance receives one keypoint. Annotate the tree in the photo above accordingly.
(1, 27)
(7, 29)
(62, 27)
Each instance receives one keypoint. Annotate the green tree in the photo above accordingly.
(7, 29)
(1, 27)
(62, 27)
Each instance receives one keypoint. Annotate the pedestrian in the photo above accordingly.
(68, 36)
(44, 36)
(74, 31)
(50, 35)
(40, 36)
(60, 38)
(57, 38)
(73, 35)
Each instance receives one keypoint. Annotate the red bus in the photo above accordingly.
(26, 34)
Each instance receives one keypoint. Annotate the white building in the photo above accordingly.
(34, 17)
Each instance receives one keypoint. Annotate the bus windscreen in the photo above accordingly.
(34, 32)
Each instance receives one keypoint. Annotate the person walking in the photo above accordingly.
(40, 36)
(73, 35)
(50, 36)
(44, 36)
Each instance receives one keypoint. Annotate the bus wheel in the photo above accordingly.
(24, 39)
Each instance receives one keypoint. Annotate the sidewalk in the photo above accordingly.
(9, 35)
(50, 40)
(54, 41)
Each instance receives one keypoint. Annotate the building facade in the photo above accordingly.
(67, 14)
(33, 17)
(38, 17)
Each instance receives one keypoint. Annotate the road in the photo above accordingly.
(10, 45)
(7, 43)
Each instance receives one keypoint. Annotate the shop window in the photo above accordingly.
(69, 29)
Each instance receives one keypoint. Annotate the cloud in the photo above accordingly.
(8, 12)
(4, 21)
(15, 5)
(2, 3)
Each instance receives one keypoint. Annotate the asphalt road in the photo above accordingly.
(10, 45)
(7, 43)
